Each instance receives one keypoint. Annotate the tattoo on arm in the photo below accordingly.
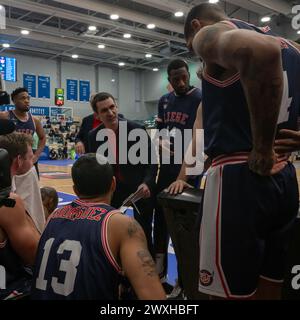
(135, 230)
(148, 264)
(208, 41)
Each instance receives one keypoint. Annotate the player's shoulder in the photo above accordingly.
(196, 92)
(166, 97)
(123, 224)
(16, 209)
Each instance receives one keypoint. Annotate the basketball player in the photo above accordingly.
(24, 121)
(250, 89)
(87, 244)
(176, 112)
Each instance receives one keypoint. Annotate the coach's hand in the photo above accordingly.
(289, 141)
(145, 190)
(177, 187)
(79, 148)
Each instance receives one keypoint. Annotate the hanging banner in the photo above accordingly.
(44, 87)
(29, 82)
(84, 91)
(72, 90)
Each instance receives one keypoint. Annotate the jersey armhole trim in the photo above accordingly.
(219, 83)
(104, 240)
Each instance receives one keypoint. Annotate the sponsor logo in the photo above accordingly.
(206, 278)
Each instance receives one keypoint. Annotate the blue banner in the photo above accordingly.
(72, 90)
(84, 91)
(40, 111)
(8, 68)
(35, 111)
(29, 82)
(44, 87)
(7, 107)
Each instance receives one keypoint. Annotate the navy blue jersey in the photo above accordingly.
(179, 112)
(74, 260)
(226, 118)
(27, 127)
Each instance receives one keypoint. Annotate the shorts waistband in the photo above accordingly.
(237, 157)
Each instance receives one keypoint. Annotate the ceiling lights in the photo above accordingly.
(265, 19)
(178, 14)
(127, 35)
(101, 46)
(121, 64)
(75, 56)
(155, 69)
(92, 28)
(5, 45)
(114, 16)
(151, 26)
(25, 32)
(148, 55)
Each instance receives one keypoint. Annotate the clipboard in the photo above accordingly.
(131, 200)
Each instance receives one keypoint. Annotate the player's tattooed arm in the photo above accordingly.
(148, 264)
(257, 59)
(138, 264)
(134, 230)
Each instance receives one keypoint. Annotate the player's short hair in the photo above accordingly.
(101, 96)
(15, 144)
(177, 64)
(205, 11)
(17, 91)
(92, 178)
(50, 193)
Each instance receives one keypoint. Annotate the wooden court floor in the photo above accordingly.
(65, 184)
(61, 185)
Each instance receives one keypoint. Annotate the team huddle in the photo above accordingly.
(248, 108)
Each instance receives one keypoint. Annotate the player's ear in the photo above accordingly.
(75, 190)
(113, 185)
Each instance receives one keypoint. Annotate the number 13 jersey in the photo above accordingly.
(74, 260)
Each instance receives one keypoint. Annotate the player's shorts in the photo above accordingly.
(245, 227)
